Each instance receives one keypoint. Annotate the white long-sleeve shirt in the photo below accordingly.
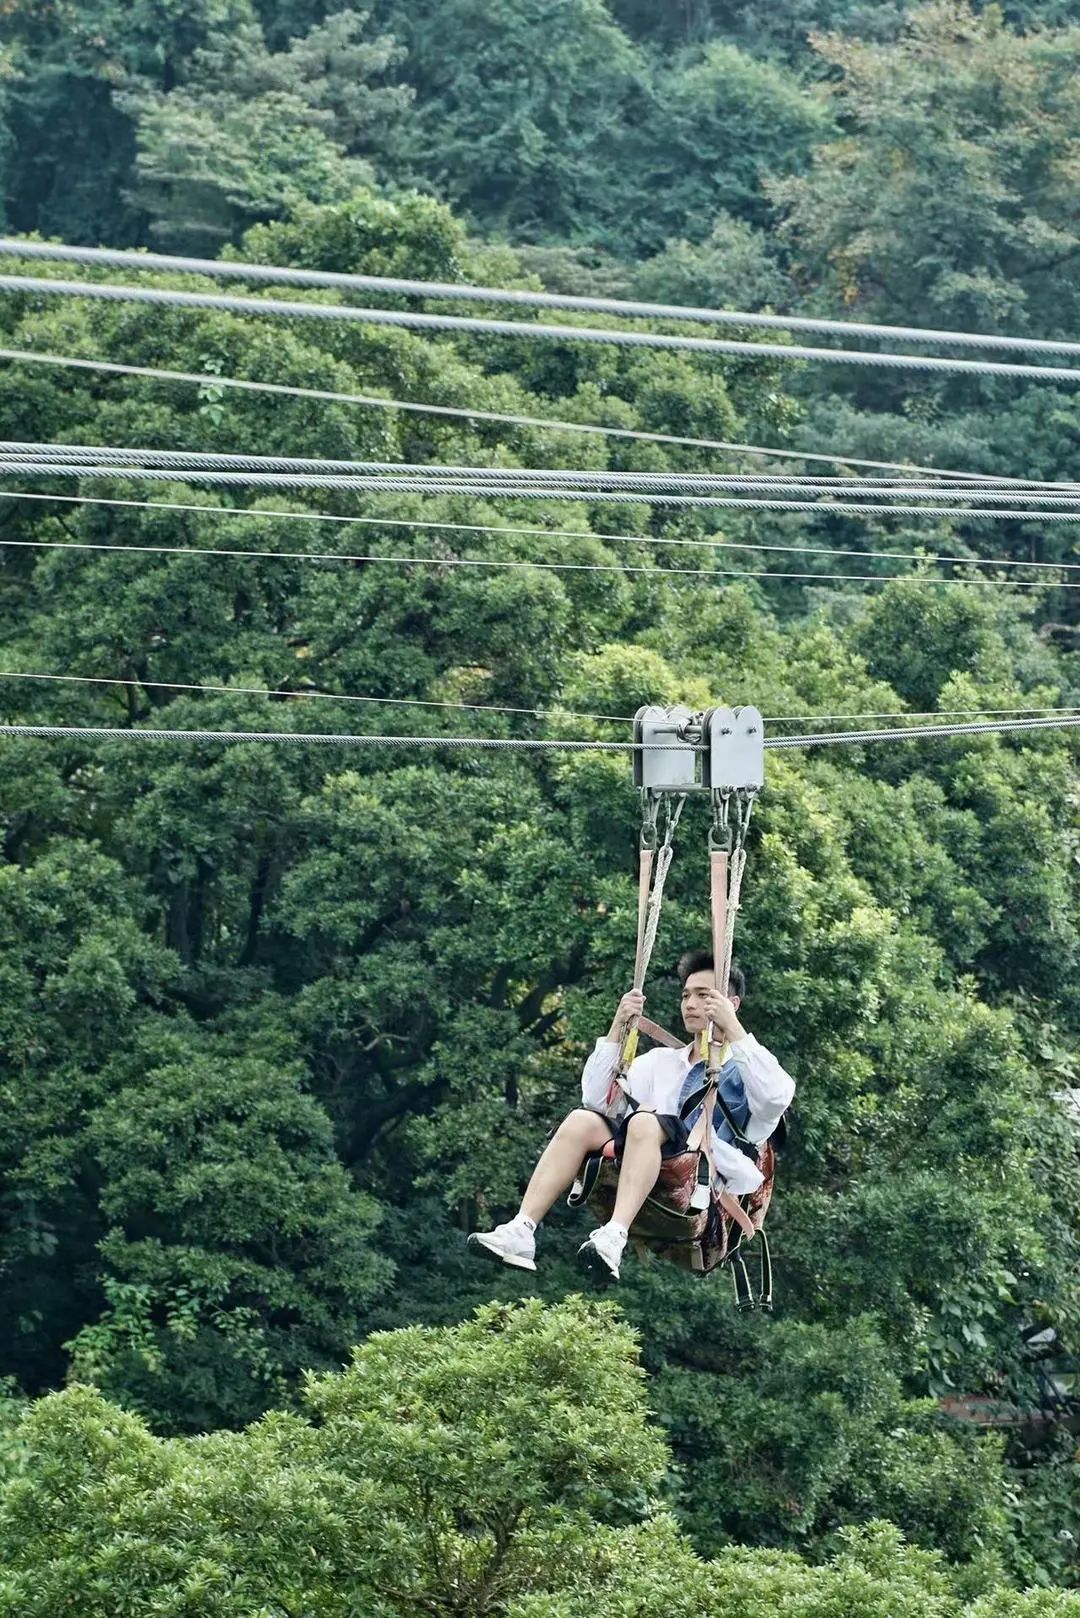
(656, 1080)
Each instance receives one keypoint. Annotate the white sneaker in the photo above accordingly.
(602, 1253)
(514, 1243)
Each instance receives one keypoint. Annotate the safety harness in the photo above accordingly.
(684, 1218)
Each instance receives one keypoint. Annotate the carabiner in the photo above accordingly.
(650, 808)
(720, 836)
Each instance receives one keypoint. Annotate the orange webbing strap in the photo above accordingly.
(719, 876)
(661, 1035)
(718, 904)
(646, 856)
(735, 1210)
(653, 866)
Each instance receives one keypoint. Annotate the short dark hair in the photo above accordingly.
(701, 960)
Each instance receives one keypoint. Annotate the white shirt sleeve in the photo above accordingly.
(599, 1068)
(737, 1173)
(596, 1074)
(768, 1088)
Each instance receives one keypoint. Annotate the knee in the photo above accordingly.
(579, 1122)
(644, 1126)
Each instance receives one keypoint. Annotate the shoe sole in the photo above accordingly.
(596, 1265)
(477, 1244)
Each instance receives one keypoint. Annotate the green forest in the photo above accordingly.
(280, 1026)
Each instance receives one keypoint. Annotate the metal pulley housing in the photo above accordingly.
(669, 742)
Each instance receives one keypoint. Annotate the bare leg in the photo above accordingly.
(639, 1167)
(580, 1133)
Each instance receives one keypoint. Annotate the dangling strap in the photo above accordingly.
(744, 1297)
(734, 1209)
(583, 1187)
(765, 1296)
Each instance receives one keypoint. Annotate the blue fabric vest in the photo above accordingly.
(733, 1091)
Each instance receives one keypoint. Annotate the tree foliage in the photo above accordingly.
(282, 1024)
(504, 1466)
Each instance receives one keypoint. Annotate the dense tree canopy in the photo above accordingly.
(505, 1466)
(281, 1024)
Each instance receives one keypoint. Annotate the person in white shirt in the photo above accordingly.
(753, 1084)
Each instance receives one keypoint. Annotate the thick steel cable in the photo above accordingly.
(363, 485)
(542, 533)
(374, 558)
(923, 713)
(288, 275)
(227, 460)
(15, 450)
(468, 324)
(305, 695)
(542, 744)
(513, 479)
(925, 732)
(211, 379)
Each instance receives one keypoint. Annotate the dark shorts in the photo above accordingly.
(674, 1131)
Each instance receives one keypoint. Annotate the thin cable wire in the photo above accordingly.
(292, 276)
(544, 533)
(467, 324)
(316, 738)
(488, 707)
(496, 708)
(375, 558)
(211, 379)
(304, 695)
(541, 744)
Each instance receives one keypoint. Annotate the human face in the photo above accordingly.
(694, 1014)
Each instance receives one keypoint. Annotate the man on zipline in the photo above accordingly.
(753, 1084)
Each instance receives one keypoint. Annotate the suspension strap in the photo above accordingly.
(727, 862)
(653, 866)
(719, 878)
(744, 803)
(720, 851)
